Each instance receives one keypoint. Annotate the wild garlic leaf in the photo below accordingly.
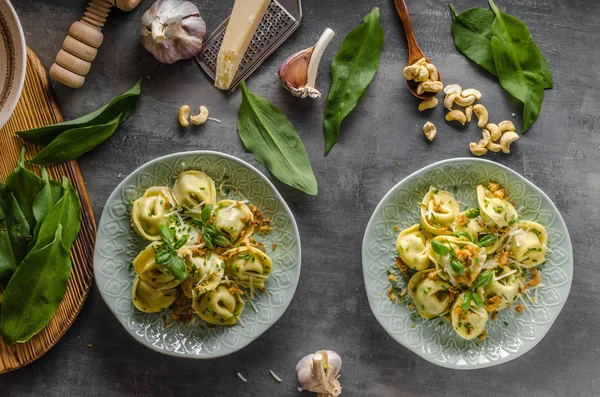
(472, 213)
(274, 142)
(25, 186)
(44, 201)
(14, 235)
(352, 70)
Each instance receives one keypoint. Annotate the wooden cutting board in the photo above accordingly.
(36, 108)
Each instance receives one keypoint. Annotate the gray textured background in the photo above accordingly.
(560, 154)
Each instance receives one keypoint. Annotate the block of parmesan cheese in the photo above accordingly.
(243, 22)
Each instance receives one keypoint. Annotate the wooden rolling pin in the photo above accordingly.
(80, 47)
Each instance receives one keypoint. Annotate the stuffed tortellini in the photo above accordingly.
(412, 247)
(478, 230)
(494, 210)
(193, 188)
(148, 270)
(457, 260)
(438, 211)
(468, 323)
(528, 244)
(150, 211)
(233, 218)
(149, 299)
(247, 263)
(205, 275)
(222, 306)
(503, 290)
(430, 294)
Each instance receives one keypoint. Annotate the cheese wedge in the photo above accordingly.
(243, 22)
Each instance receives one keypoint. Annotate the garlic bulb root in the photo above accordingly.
(298, 73)
(319, 373)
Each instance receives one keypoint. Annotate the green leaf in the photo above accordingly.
(168, 234)
(274, 142)
(221, 239)
(74, 142)
(486, 240)
(477, 299)
(207, 239)
(464, 234)
(162, 257)
(466, 303)
(14, 234)
(457, 267)
(120, 107)
(66, 212)
(352, 70)
(440, 248)
(472, 213)
(44, 201)
(181, 242)
(206, 213)
(471, 30)
(35, 290)
(25, 185)
(178, 267)
(518, 64)
(484, 279)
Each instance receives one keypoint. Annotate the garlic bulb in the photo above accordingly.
(319, 373)
(298, 73)
(172, 30)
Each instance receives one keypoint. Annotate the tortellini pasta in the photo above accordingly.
(150, 211)
(249, 263)
(223, 306)
(193, 188)
(205, 275)
(153, 274)
(462, 264)
(412, 247)
(149, 299)
(469, 323)
(233, 218)
(503, 289)
(528, 244)
(494, 210)
(430, 294)
(438, 211)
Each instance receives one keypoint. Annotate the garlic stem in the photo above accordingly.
(318, 368)
(158, 31)
(315, 59)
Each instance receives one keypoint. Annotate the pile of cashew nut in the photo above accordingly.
(184, 116)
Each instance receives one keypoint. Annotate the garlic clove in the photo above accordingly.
(298, 73)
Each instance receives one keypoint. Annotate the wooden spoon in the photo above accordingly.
(414, 51)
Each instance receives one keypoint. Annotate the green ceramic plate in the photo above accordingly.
(117, 245)
(511, 335)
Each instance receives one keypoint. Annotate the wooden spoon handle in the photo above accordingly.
(414, 51)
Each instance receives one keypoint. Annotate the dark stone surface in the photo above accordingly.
(561, 155)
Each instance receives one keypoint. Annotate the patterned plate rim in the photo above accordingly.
(129, 178)
(373, 302)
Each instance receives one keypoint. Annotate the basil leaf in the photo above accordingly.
(25, 185)
(162, 257)
(486, 240)
(180, 242)
(440, 248)
(167, 234)
(207, 240)
(457, 267)
(35, 290)
(74, 142)
(120, 107)
(484, 279)
(206, 213)
(518, 64)
(221, 239)
(352, 70)
(44, 201)
(464, 234)
(14, 235)
(466, 303)
(178, 267)
(274, 142)
(472, 213)
(471, 31)
(477, 299)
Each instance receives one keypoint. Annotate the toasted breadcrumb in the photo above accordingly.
(519, 308)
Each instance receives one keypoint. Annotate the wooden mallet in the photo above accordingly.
(79, 49)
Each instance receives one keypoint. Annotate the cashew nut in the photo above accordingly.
(449, 100)
(433, 72)
(428, 104)
(494, 131)
(429, 130)
(477, 150)
(471, 92)
(421, 62)
(493, 147)
(469, 113)
(420, 89)
(433, 86)
(482, 115)
(486, 138)
(183, 114)
(464, 101)
(410, 72)
(423, 74)
(506, 125)
(456, 115)
(452, 89)
(201, 117)
(508, 138)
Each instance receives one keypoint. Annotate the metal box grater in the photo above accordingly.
(279, 22)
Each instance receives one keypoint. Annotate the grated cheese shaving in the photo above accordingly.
(274, 375)
(213, 119)
(242, 377)
(513, 271)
